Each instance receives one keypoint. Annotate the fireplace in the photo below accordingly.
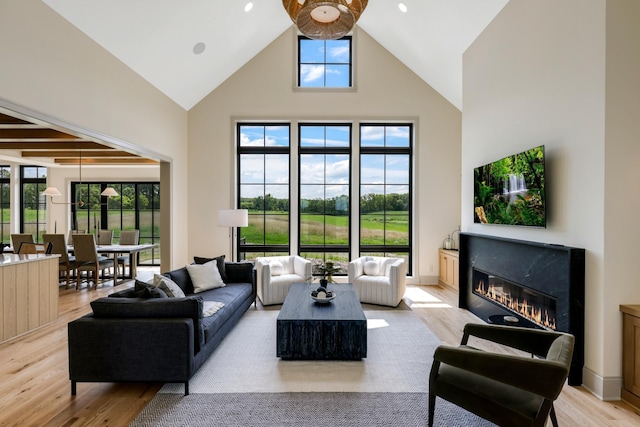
(528, 307)
(526, 284)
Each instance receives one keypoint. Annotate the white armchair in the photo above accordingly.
(276, 274)
(379, 280)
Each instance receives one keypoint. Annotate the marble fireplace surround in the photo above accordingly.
(554, 270)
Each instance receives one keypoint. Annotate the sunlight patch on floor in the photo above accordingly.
(376, 323)
(419, 297)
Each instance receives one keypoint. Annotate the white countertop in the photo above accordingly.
(10, 259)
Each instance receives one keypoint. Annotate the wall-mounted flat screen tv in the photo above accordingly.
(511, 191)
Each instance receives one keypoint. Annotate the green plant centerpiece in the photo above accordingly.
(327, 270)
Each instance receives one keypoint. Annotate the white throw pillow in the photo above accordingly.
(205, 276)
(276, 268)
(371, 268)
(169, 287)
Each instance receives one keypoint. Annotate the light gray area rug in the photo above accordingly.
(243, 383)
(399, 353)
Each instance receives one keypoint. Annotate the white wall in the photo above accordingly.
(386, 90)
(537, 76)
(52, 69)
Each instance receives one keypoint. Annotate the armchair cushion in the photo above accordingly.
(277, 269)
(371, 268)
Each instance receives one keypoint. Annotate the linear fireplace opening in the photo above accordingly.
(515, 298)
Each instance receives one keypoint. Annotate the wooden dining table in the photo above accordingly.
(117, 250)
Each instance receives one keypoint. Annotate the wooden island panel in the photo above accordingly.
(28, 293)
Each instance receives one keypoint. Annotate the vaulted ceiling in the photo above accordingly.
(156, 39)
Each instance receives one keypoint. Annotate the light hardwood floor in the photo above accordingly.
(35, 389)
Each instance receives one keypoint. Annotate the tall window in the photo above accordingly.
(33, 215)
(324, 63)
(5, 203)
(385, 190)
(136, 208)
(263, 176)
(325, 164)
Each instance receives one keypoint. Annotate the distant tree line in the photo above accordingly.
(369, 203)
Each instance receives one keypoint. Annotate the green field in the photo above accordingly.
(331, 230)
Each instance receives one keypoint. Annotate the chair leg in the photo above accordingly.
(432, 409)
(552, 415)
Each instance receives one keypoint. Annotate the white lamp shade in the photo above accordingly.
(233, 218)
(51, 191)
(110, 192)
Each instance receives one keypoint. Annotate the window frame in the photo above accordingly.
(388, 150)
(102, 217)
(241, 246)
(324, 87)
(325, 150)
(41, 204)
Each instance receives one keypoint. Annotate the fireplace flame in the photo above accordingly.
(521, 306)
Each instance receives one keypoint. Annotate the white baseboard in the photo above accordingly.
(428, 280)
(604, 388)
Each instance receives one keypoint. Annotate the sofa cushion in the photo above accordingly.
(190, 307)
(219, 262)
(205, 276)
(168, 286)
(147, 290)
(232, 296)
(181, 278)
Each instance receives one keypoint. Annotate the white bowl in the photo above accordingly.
(323, 300)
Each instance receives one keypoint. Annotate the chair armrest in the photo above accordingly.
(398, 272)
(539, 376)
(355, 269)
(263, 272)
(535, 341)
(302, 267)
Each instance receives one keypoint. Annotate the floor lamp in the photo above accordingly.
(233, 218)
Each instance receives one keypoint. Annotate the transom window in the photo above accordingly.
(324, 63)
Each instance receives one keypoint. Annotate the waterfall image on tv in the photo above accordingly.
(511, 190)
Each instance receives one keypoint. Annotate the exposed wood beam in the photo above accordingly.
(10, 120)
(76, 154)
(107, 161)
(28, 132)
(57, 145)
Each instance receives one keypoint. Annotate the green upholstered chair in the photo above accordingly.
(506, 389)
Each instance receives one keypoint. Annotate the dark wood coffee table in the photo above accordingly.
(307, 330)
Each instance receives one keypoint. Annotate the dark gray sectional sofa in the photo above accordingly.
(127, 338)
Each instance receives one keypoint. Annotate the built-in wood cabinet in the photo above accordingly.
(631, 354)
(28, 293)
(449, 270)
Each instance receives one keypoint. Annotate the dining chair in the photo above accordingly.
(66, 263)
(87, 259)
(105, 237)
(127, 237)
(34, 248)
(17, 239)
(73, 233)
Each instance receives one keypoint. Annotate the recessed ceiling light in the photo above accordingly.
(199, 47)
(248, 7)
(402, 7)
